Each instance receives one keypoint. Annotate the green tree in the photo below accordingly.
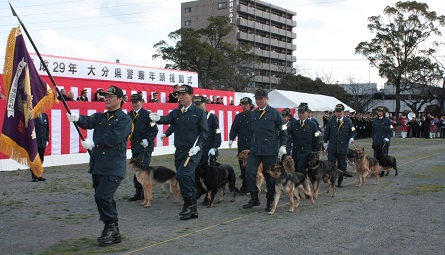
(205, 51)
(395, 47)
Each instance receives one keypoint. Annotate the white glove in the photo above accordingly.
(212, 151)
(73, 117)
(154, 116)
(317, 134)
(325, 145)
(47, 143)
(163, 136)
(282, 151)
(386, 140)
(351, 140)
(193, 151)
(230, 143)
(87, 144)
(144, 143)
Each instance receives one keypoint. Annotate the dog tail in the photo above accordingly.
(344, 173)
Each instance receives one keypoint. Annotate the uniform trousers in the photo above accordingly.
(340, 161)
(251, 171)
(186, 174)
(105, 187)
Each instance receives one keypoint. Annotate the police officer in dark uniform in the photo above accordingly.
(269, 139)
(155, 98)
(339, 133)
(213, 141)
(173, 96)
(285, 113)
(142, 139)
(83, 96)
(108, 158)
(381, 132)
(41, 124)
(304, 135)
(241, 129)
(191, 131)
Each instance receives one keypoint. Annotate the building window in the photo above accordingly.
(222, 5)
(188, 9)
(188, 23)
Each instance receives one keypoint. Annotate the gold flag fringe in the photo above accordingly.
(19, 154)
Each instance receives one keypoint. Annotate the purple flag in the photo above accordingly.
(27, 96)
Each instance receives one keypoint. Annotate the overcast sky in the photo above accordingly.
(327, 31)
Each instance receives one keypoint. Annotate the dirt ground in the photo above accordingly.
(404, 214)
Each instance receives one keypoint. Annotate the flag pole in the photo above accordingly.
(14, 12)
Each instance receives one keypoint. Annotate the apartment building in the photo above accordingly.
(266, 27)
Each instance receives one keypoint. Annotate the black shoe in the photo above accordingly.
(34, 180)
(41, 179)
(136, 197)
(186, 207)
(110, 235)
(193, 213)
(340, 185)
(254, 201)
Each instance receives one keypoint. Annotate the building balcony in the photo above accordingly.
(266, 15)
(265, 28)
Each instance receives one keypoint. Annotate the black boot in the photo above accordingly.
(138, 196)
(186, 207)
(269, 205)
(193, 212)
(110, 234)
(254, 201)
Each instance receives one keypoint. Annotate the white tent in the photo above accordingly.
(291, 99)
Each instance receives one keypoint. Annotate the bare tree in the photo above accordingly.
(361, 93)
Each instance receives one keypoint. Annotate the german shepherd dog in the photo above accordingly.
(290, 183)
(215, 177)
(323, 170)
(244, 156)
(289, 164)
(386, 162)
(148, 176)
(364, 165)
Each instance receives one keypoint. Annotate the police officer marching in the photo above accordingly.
(190, 132)
(339, 133)
(142, 139)
(269, 139)
(213, 141)
(241, 129)
(381, 132)
(108, 158)
(304, 135)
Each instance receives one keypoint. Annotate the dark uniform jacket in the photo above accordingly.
(187, 126)
(173, 97)
(339, 136)
(303, 138)
(82, 98)
(142, 129)
(214, 138)
(111, 130)
(268, 132)
(241, 128)
(381, 129)
(42, 130)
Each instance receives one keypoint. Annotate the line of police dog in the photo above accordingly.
(213, 177)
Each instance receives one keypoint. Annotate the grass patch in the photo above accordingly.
(426, 188)
(83, 245)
